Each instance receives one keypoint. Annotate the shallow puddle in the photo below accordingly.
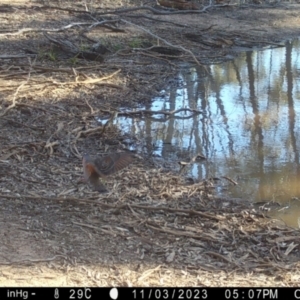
(249, 128)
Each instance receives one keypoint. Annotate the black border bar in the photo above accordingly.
(267, 293)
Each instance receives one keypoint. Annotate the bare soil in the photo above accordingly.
(154, 227)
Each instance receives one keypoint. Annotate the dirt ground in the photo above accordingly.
(154, 227)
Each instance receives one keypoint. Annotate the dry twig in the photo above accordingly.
(18, 89)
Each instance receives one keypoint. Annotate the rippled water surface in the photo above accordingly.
(249, 128)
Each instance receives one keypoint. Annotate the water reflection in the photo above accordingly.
(248, 130)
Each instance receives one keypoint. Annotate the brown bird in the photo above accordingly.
(95, 168)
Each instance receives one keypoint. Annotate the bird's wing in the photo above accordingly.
(112, 163)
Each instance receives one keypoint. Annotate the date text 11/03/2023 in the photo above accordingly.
(206, 293)
(211, 293)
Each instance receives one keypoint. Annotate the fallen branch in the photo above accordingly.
(166, 42)
(159, 112)
(162, 57)
(161, 12)
(144, 7)
(88, 81)
(156, 20)
(56, 8)
(26, 30)
(63, 28)
(170, 114)
(122, 206)
(125, 10)
(230, 180)
(69, 47)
